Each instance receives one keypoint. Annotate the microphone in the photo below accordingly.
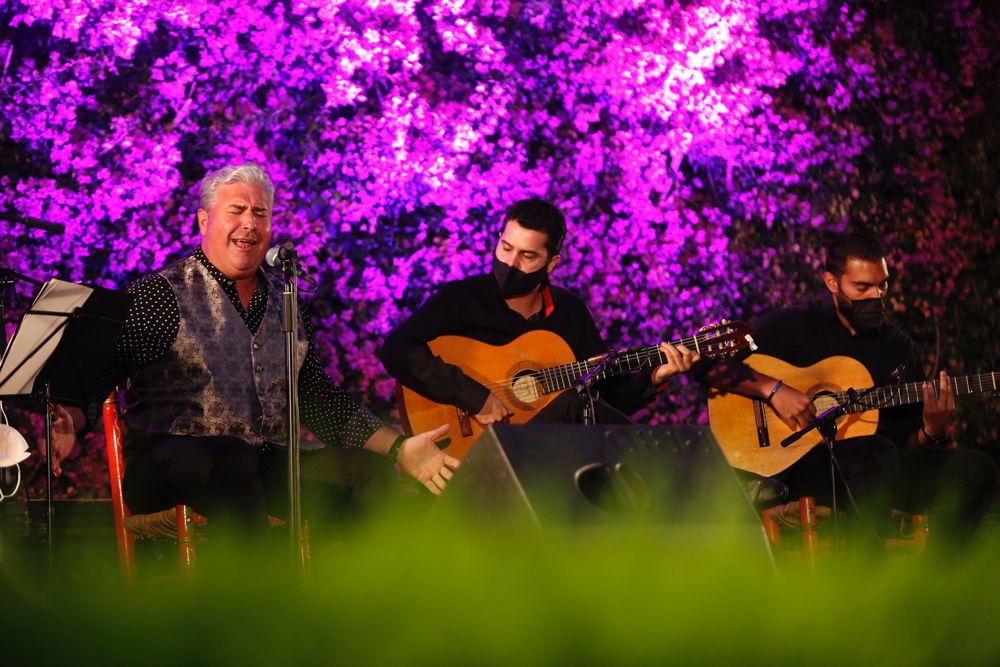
(823, 418)
(280, 254)
(281, 258)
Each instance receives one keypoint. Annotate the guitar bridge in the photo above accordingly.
(760, 420)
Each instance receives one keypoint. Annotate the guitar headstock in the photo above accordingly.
(725, 338)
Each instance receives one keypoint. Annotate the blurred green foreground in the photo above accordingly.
(472, 591)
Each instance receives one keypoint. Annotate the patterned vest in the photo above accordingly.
(218, 378)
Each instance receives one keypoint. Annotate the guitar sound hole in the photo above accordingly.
(526, 388)
(823, 402)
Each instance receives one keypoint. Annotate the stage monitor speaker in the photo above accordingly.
(557, 476)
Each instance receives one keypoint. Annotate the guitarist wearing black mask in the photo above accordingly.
(898, 456)
(513, 299)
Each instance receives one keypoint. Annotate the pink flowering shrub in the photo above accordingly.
(699, 149)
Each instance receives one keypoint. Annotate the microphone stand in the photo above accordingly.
(290, 301)
(46, 396)
(46, 399)
(585, 382)
(8, 280)
(826, 424)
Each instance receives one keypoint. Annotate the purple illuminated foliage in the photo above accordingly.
(699, 150)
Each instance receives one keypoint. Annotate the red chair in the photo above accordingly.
(180, 523)
(177, 523)
(801, 516)
(804, 519)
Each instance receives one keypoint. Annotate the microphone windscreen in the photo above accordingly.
(272, 255)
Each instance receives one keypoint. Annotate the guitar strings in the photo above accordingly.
(555, 375)
(912, 392)
(556, 378)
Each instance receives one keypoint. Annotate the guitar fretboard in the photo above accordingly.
(913, 392)
(558, 378)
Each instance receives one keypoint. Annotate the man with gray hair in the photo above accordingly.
(203, 352)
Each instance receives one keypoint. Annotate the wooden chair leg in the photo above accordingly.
(810, 536)
(913, 531)
(771, 529)
(305, 548)
(185, 537)
(920, 531)
(116, 470)
(126, 549)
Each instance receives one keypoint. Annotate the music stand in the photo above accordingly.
(8, 283)
(60, 350)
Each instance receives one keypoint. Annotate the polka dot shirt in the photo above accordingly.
(332, 414)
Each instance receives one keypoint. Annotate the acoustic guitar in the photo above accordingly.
(530, 371)
(750, 432)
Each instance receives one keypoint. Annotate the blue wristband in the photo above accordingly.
(777, 386)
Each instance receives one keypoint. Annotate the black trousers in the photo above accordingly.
(955, 487)
(239, 485)
(867, 468)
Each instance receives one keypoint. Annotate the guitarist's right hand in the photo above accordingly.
(793, 407)
(493, 410)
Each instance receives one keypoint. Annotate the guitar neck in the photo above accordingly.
(558, 378)
(913, 392)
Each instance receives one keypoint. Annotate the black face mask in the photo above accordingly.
(864, 315)
(515, 282)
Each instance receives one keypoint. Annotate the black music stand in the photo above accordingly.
(8, 282)
(61, 349)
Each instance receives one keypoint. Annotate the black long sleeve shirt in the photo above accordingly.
(332, 414)
(806, 334)
(474, 308)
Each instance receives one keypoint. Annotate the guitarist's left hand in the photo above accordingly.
(939, 406)
(679, 360)
(421, 458)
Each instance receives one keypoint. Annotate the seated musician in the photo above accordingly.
(203, 350)
(909, 463)
(515, 298)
